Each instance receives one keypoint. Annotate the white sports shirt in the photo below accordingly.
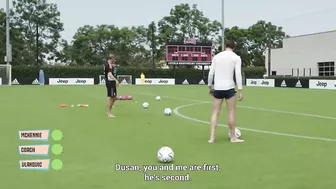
(222, 68)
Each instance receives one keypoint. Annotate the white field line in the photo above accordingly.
(250, 107)
(176, 112)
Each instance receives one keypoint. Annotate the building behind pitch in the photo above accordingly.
(305, 55)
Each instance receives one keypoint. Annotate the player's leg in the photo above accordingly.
(111, 97)
(109, 107)
(114, 94)
(216, 108)
(108, 100)
(231, 107)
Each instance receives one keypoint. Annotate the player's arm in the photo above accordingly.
(211, 74)
(110, 75)
(238, 74)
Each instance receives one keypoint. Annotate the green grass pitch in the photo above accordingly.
(290, 137)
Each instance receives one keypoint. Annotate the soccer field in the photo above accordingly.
(290, 138)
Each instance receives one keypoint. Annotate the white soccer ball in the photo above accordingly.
(238, 133)
(165, 155)
(145, 105)
(167, 111)
(158, 98)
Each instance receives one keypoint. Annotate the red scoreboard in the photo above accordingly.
(189, 52)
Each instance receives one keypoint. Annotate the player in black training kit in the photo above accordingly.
(111, 84)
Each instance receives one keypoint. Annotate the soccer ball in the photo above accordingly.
(167, 111)
(238, 133)
(158, 98)
(165, 155)
(145, 105)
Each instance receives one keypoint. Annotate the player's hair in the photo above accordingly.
(229, 44)
(111, 57)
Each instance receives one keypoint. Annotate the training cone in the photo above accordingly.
(84, 105)
(63, 105)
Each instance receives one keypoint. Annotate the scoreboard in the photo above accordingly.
(189, 52)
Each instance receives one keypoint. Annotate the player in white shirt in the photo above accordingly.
(223, 66)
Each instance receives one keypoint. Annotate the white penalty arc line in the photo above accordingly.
(251, 107)
(176, 112)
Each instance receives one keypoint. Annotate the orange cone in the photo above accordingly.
(63, 105)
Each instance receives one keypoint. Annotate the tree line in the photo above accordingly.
(36, 39)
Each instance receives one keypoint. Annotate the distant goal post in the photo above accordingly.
(123, 79)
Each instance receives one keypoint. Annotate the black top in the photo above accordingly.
(108, 68)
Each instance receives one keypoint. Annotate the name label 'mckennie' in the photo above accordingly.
(37, 164)
(36, 135)
(34, 150)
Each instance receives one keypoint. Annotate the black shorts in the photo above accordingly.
(111, 89)
(224, 94)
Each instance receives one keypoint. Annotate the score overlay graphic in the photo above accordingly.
(40, 152)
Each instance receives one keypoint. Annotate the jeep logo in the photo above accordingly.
(62, 81)
(253, 82)
(265, 82)
(148, 81)
(163, 81)
(80, 81)
(321, 84)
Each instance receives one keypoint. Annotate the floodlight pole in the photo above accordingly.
(223, 30)
(8, 46)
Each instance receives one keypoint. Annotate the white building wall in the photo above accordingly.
(303, 52)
